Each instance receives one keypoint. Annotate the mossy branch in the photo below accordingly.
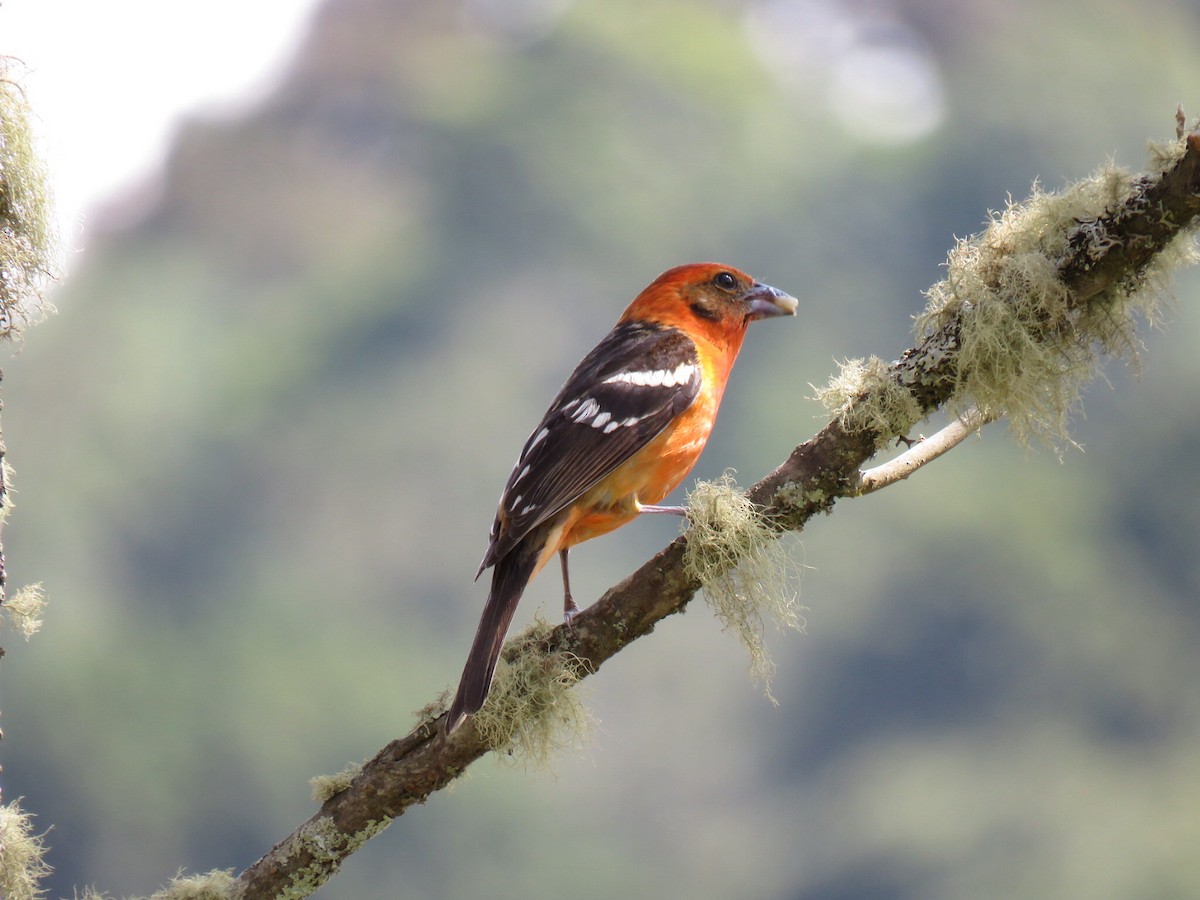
(28, 249)
(1027, 310)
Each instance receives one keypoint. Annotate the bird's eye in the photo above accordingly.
(725, 281)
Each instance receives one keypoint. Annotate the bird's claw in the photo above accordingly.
(570, 611)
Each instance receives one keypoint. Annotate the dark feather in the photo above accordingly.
(574, 454)
(509, 578)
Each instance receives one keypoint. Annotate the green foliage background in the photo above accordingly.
(259, 449)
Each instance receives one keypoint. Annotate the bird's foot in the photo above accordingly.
(570, 611)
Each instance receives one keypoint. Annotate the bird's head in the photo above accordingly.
(709, 298)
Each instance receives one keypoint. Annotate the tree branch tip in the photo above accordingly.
(922, 452)
(1184, 132)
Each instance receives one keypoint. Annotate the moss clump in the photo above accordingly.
(25, 608)
(1019, 342)
(325, 786)
(22, 855)
(531, 712)
(864, 396)
(1025, 345)
(747, 574)
(28, 241)
(215, 885)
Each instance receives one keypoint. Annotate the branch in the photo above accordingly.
(922, 452)
(1027, 308)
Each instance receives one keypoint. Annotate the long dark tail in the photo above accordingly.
(509, 578)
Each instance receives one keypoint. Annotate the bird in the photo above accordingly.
(623, 432)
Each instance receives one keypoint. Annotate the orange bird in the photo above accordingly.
(623, 432)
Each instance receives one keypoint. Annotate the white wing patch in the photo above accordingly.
(604, 420)
(624, 423)
(681, 374)
(587, 409)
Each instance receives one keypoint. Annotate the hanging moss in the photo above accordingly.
(747, 574)
(1026, 347)
(22, 863)
(532, 712)
(29, 245)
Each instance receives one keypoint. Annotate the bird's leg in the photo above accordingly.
(665, 510)
(570, 607)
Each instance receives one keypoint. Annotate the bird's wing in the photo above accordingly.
(623, 394)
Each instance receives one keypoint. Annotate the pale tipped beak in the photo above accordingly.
(763, 301)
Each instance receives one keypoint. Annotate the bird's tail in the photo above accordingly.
(512, 572)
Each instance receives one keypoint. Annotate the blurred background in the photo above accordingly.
(259, 447)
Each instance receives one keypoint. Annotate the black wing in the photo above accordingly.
(619, 398)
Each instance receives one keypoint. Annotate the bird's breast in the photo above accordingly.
(646, 477)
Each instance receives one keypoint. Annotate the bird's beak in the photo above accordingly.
(763, 301)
